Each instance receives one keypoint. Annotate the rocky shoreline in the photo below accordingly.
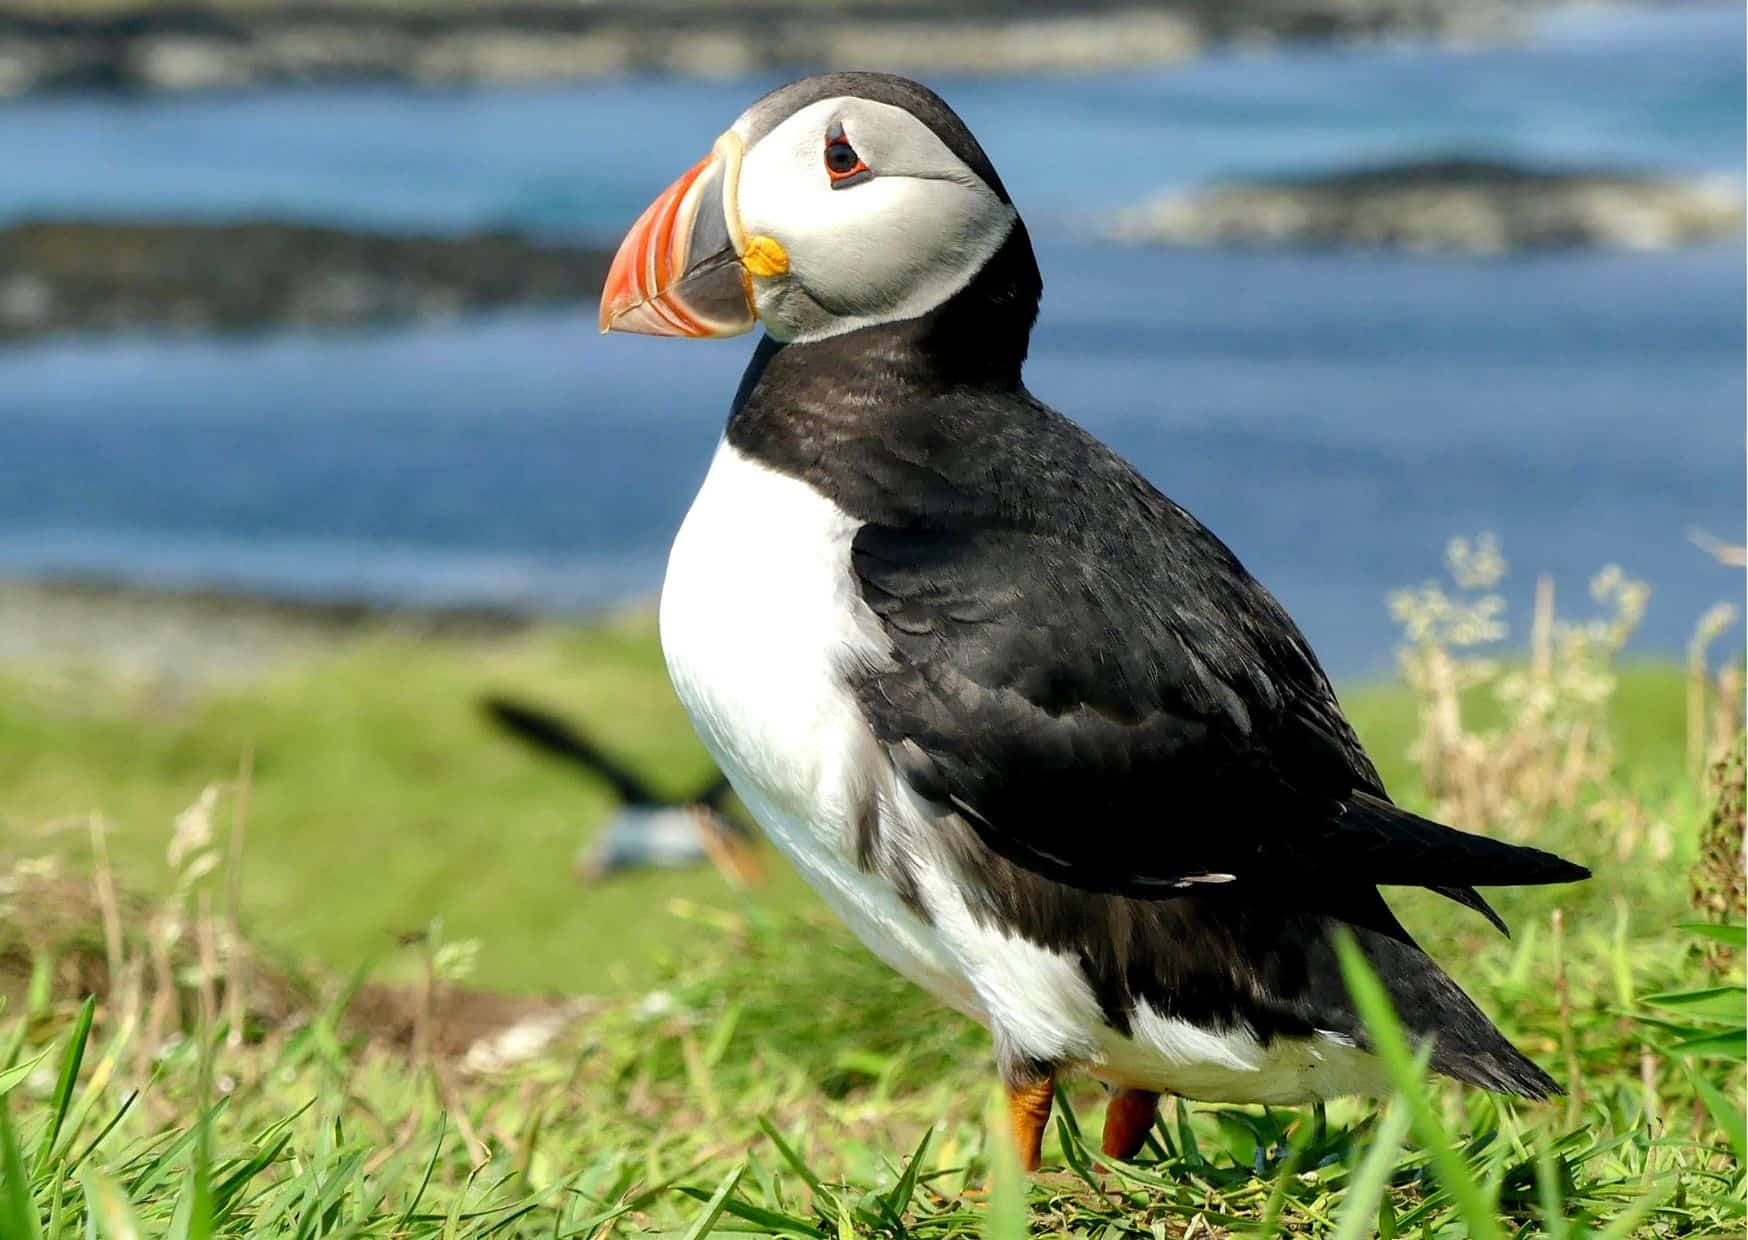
(182, 640)
(110, 275)
(101, 275)
(229, 44)
(1453, 205)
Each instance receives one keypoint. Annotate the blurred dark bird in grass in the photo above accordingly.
(649, 830)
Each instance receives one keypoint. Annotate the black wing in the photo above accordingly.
(1113, 702)
(549, 733)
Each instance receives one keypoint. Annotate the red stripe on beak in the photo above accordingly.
(641, 268)
(658, 286)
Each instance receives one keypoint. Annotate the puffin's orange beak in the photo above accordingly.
(679, 271)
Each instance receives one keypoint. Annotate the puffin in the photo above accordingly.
(1027, 726)
(648, 830)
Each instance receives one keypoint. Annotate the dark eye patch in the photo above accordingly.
(842, 164)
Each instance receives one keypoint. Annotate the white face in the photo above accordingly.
(891, 245)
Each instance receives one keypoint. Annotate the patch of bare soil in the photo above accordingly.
(67, 936)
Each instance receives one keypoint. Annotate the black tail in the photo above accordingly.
(1466, 1045)
(553, 735)
(1389, 846)
(1468, 897)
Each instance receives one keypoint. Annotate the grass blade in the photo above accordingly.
(1186, 1135)
(789, 1155)
(1626, 1223)
(63, 1095)
(773, 1221)
(898, 1200)
(713, 1208)
(1712, 1002)
(1303, 1137)
(1390, 1043)
(1726, 1114)
(237, 1180)
(120, 1114)
(1727, 1044)
(200, 1187)
(1551, 1192)
(1074, 1153)
(10, 1078)
(182, 1218)
(1729, 936)
(1006, 1219)
(430, 1166)
(17, 1207)
(1359, 1209)
(107, 1207)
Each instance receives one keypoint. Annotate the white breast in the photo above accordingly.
(759, 621)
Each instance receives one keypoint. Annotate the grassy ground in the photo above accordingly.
(382, 798)
(746, 1066)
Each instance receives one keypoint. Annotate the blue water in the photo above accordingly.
(1334, 418)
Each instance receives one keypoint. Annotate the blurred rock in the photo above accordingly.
(97, 275)
(211, 44)
(178, 644)
(1458, 205)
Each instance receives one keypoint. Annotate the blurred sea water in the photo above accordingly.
(1335, 418)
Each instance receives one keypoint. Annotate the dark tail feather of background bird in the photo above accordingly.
(550, 734)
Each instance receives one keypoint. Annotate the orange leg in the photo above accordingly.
(1128, 1119)
(1028, 1113)
(732, 853)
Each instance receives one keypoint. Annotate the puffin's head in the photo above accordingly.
(835, 202)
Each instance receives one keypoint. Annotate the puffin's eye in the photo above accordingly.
(842, 164)
(841, 158)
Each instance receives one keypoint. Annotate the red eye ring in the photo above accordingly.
(858, 168)
(842, 165)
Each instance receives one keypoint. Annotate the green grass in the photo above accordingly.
(381, 798)
(782, 1061)
(751, 1067)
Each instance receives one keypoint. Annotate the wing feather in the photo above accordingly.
(1138, 715)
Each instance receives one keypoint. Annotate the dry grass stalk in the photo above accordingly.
(206, 942)
(1568, 1033)
(1731, 555)
(1727, 710)
(236, 963)
(1720, 888)
(1648, 1069)
(1548, 740)
(153, 966)
(1713, 704)
(452, 1104)
(103, 883)
(165, 971)
(162, 1015)
(419, 1050)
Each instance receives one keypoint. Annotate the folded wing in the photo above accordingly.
(1141, 716)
